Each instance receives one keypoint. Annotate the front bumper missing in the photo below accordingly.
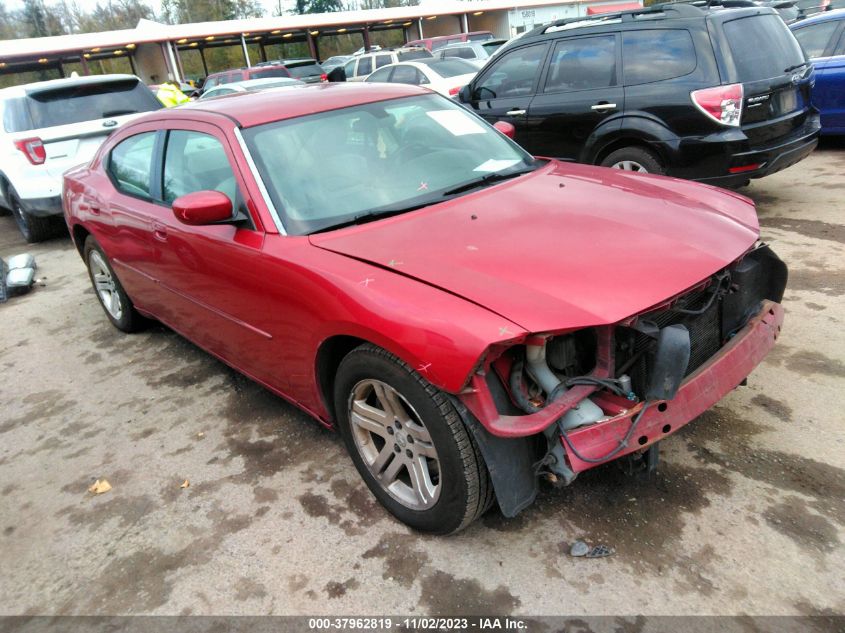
(699, 391)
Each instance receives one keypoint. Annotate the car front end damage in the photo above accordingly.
(555, 405)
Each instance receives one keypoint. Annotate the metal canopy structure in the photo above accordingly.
(153, 49)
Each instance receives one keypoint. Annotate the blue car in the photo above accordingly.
(823, 39)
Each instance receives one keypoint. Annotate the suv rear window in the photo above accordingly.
(264, 73)
(406, 56)
(657, 55)
(309, 69)
(75, 104)
(762, 47)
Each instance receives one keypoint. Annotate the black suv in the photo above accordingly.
(712, 94)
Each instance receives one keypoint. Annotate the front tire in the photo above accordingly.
(635, 159)
(409, 444)
(113, 298)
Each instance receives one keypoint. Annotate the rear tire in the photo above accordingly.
(634, 159)
(409, 444)
(33, 229)
(112, 297)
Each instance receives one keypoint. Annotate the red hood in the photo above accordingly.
(564, 247)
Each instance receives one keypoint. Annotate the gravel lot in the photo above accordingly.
(745, 516)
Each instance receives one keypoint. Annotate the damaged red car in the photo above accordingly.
(469, 317)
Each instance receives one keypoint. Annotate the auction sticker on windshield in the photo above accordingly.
(458, 123)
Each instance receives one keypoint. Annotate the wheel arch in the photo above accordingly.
(329, 356)
(79, 234)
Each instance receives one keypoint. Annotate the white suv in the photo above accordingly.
(360, 67)
(49, 127)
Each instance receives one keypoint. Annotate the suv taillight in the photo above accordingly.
(324, 77)
(723, 104)
(33, 149)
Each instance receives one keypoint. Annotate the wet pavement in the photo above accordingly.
(746, 514)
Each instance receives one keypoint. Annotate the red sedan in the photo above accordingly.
(469, 317)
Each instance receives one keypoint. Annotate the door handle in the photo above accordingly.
(516, 112)
(600, 107)
(160, 231)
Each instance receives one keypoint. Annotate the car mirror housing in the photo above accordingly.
(465, 94)
(505, 128)
(203, 207)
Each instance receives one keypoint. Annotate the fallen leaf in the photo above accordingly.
(99, 487)
(185, 484)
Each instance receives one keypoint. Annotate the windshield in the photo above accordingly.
(264, 73)
(330, 168)
(305, 70)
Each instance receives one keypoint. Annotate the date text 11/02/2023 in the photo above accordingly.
(417, 624)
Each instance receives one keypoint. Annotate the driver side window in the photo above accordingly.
(514, 74)
(194, 161)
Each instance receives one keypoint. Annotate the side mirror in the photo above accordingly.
(337, 74)
(505, 128)
(203, 207)
(465, 94)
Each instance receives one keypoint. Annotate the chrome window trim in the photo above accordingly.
(260, 182)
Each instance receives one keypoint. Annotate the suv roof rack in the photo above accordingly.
(682, 9)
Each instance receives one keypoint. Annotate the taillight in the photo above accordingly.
(33, 149)
(324, 77)
(455, 91)
(723, 104)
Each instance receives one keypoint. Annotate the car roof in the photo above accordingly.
(257, 108)
(58, 84)
(836, 14)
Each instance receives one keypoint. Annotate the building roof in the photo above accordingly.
(149, 31)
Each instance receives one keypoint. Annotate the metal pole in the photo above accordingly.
(464, 23)
(246, 51)
(312, 45)
(262, 51)
(131, 64)
(366, 39)
(204, 65)
(419, 27)
(174, 55)
(85, 70)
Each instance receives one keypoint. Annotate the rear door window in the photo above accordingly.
(383, 60)
(815, 38)
(349, 68)
(406, 75)
(76, 104)
(130, 164)
(657, 55)
(583, 64)
(762, 47)
(365, 66)
(381, 75)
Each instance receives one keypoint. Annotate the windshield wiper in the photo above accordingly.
(487, 179)
(372, 216)
(795, 67)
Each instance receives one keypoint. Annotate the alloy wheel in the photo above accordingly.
(104, 285)
(394, 444)
(630, 165)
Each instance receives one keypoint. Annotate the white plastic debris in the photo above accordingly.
(16, 275)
